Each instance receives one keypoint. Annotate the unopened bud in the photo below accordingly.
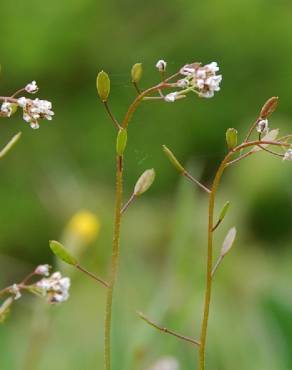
(231, 138)
(173, 159)
(136, 72)
(161, 65)
(144, 182)
(269, 107)
(103, 85)
(263, 126)
(122, 141)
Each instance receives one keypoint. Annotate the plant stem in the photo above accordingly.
(225, 163)
(114, 263)
(168, 331)
(93, 276)
(203, 337)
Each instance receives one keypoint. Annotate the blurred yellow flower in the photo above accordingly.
(84, 225)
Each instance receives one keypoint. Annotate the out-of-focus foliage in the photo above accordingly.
(68, 165)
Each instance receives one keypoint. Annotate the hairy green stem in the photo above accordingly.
(114, 263)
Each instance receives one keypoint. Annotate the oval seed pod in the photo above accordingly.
(103, 85)
(224, 210)
(173, 159)
(59, 250)
(136, 72)
(231, 138)
(121, 141)
(144, 182)
(228, 242)
(269, 107)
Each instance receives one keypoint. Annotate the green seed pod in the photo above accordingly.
(228, 242)
(144, 182)
(269, 107)
(136, 72)
(231, 138)
(173, 159)
(103, 85)
(121, 141)
(59, 250)
(224, 211)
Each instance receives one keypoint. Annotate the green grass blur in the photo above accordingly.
(68, 165)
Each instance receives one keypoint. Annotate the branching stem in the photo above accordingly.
(168, 331)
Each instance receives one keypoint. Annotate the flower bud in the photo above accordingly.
(103, 85)
(136, 72)
(121, 141)
(144, 182)
(161, 65)
(269, 107)
(59, 250)
(172, 159)
(231, 138)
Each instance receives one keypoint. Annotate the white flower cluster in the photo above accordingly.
(36, 109)
(33, 109)
(202, 78)
(55, 288)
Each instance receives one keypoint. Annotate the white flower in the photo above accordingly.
(161, 65)
(170, 98)
(55, 287)
(213, 67)
(183, 83)
(262, 126)
(188, 70)
(6, 109)
(288, 155)
(166, 363)
(43, 270)
(22, 102)
(32, 88)
(16, 291)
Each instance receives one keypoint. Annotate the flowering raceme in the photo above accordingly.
(198, 78)
(33, 109)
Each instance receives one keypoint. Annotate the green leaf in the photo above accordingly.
(59, 250)
(228, 242)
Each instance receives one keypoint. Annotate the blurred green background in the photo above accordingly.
(68, 165)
